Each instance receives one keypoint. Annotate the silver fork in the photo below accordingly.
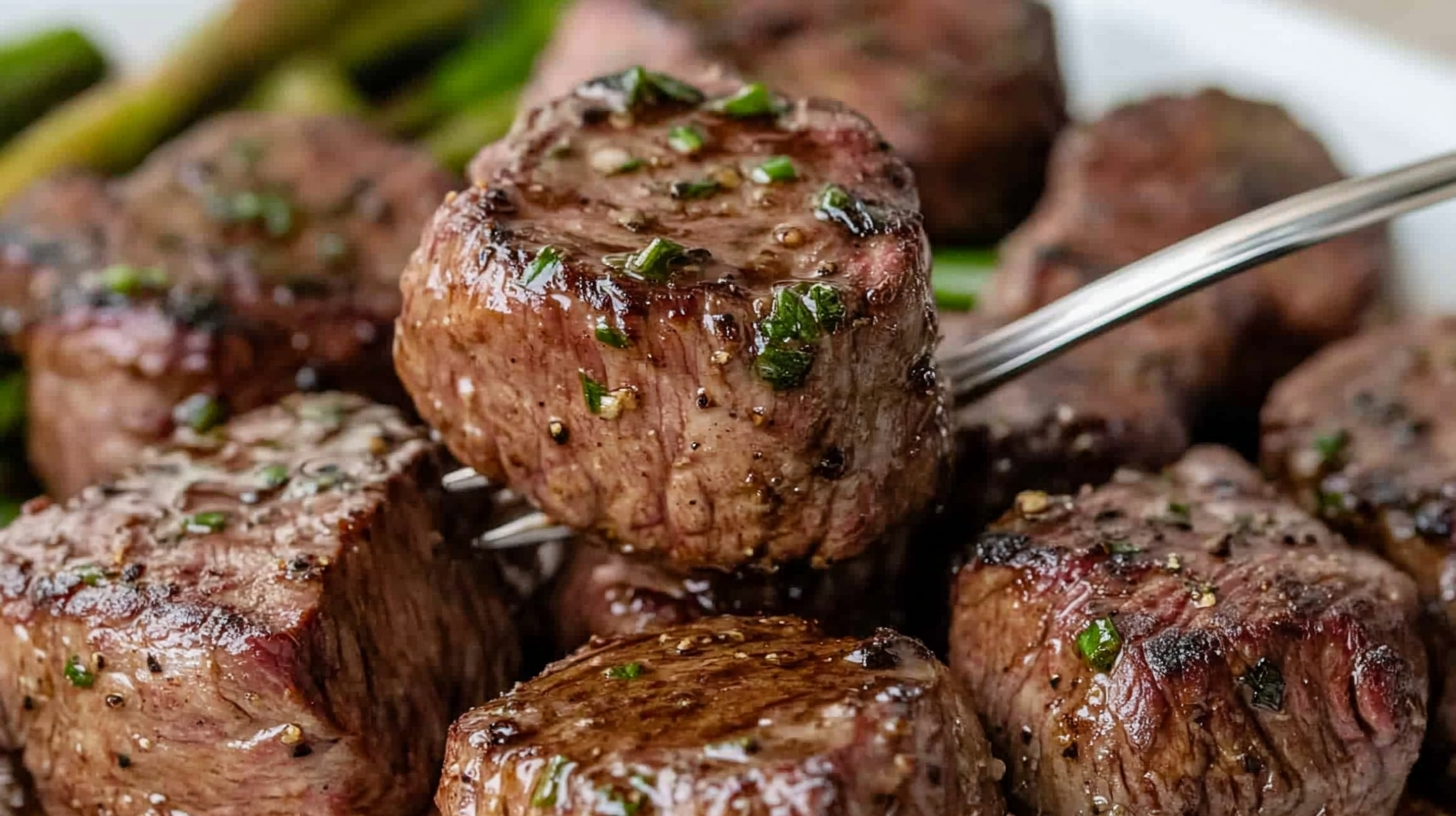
(978, 367)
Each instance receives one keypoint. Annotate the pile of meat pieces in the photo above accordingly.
(693, 321)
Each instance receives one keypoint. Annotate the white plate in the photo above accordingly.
(1376, 104)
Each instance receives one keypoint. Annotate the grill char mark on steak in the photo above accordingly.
(927, 80)
(301, 651)
(691, 448)
(1263, 666)
(757, 716)
(280, 241)
(1155, 172)
(1359, 435)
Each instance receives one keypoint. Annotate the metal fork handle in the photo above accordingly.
(1264, 235)
(1246, 242)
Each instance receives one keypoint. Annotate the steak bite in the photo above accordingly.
(696, 328)
(1361, 435)
(254, 256)
(606, 594)
(263, 620)
(738, 715)
(970, 93)
(1189, 644)
(1153, 173)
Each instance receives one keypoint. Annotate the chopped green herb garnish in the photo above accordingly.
(544, 267)
(753, 99)
(626, 671)
(552, 780)
(654, 262)
(1331, 446)
(776, 168)
(90, 574)
(611, 802)
(695, 189)
(828, 306)
(612, 336)
(801, 312)
(638, 86)
(1267, 684)
(630, 165)
(1331, 503)
(784, 368)
(836, 205)
(79, 673)
(1121, 547)
(685, 139)
(200, 412)
(271, 477)
(1179, 515)
(272, 211)
(203, 523)
(959, 276)
(593, 391)
(128, 281)
(1099, 644)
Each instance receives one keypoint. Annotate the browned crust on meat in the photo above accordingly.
(1215, 587)
(761, 716)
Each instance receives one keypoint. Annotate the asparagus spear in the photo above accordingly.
(42, 71)
(113, 125)
(459, 137)
(310, 85)
(380, 33)
(958, 277)
(489, 64)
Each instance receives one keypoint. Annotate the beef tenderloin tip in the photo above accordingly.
(696, 324)
(1189, 643)
(260, 619)
(743, 715)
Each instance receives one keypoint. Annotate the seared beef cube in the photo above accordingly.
(969, 92)
(1189, 643)
(259, 620)
(606, 594)
(1072, 422)
(254, 256)
(1156, 172)
(700, 329)
(728, 715)
(1359, 435)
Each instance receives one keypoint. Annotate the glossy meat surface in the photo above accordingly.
(969, 92)
(740, 715)
(252, 256)
(263, 620)
(762, 391)
(1189, 643)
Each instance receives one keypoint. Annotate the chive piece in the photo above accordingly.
(836, 205)
(1331, 446)
(784, 368)
(753, 99)
(675, 89)
(200, 412)
(638, 86)
(593, 391)
(828, 307)
(1099, 644)
(629, 166)
(612, 336)
(685, 139)
(79, 673)
(1179, 515)
(695, 189)
(203, 523)
(1267, 684)
(790, 318)
(959, 276)
(626, 671)
(272, 211)
(549, 787)
(1121, 547)
(544, 267)
(775, 168)
(90, 574)
(127, 280)
(655, 261)
(272, 477)
(611, 803)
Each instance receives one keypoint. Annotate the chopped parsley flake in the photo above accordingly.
(552, 781)
(79, 673)
(1099, 644)
(200, 412)
(126, 280)
(593, 391)
(836, 205)
(707, 188)
(612, 336)
(1331, 446)
(203, 523)
(753, 99)
(626, 671)
(543, 268)
(685, 139)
